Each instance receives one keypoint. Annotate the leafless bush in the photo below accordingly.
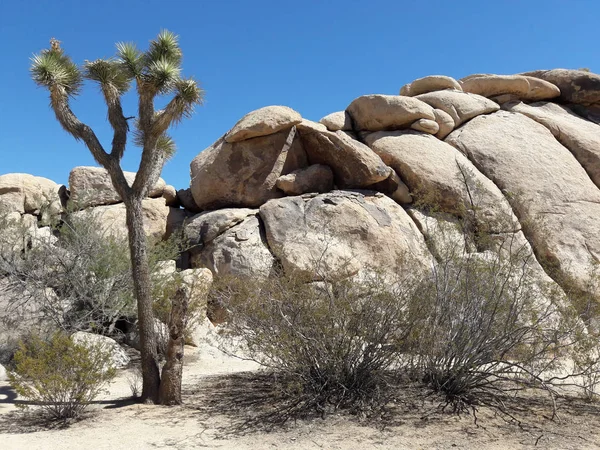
(80, 280)
(586, 351)
(134, 380)
(489, 319)
(167, 286)
(482, 324)
(486, 321)
(335, 342)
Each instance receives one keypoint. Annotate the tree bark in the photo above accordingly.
(170, 386)
(142, 288)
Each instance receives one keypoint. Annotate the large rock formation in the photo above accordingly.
(431, 83)
(26, 194)
(446, 181)
(338, 234)
(387, 112)
(239, 249)
(460, 106)
(204, 227)
(515, 157)
(580, 136)
(549, 190)
(263, 122)
(244, 173)
(186, 200)
(440, 175)
(522, 87)
(117, 356)
(445, 123)
(337, 121)
(111, 219)
(576, 86)
(434, 143)
(315, 178)
(354, 165)
(92, 186)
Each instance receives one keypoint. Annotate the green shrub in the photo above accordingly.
(334, 343)
(60, 376)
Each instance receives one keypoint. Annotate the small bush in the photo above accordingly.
(335, 343)
(134, 380)
(586, 353)
(60, 376)
(488, 321)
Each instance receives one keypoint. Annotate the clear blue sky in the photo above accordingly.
(315, 56)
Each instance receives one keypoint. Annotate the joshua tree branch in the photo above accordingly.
(150, 168)
(119, 124)
(151, 163)
(146, 104)
(71, 124)
(81, 131)
(166, 117)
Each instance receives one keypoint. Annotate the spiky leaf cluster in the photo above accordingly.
(131, 58)
(162, 75)
(159, 68)
(165, 47)
(166, 145)
(113, 77)
(188, 95)
(52, 68)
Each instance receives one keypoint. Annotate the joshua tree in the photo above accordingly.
(156, 72)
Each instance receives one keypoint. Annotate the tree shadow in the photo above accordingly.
(263, 401)
(11, 397)
(27, 420)
(254, 402)
(249, 401)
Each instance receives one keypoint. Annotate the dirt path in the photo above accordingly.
(217, 397)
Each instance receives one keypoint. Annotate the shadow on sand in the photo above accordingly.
(29, 421)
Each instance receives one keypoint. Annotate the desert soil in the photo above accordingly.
(223, 393)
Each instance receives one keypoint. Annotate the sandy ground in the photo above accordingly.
(222, 393)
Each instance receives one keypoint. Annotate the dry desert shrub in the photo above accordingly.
(485, 327)
(486, 321)
(334, 343)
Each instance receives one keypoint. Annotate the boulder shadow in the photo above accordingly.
(8, 395)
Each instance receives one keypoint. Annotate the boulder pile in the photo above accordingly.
(345, 194)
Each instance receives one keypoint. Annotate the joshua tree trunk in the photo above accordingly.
(142, 288)
(170, 386)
